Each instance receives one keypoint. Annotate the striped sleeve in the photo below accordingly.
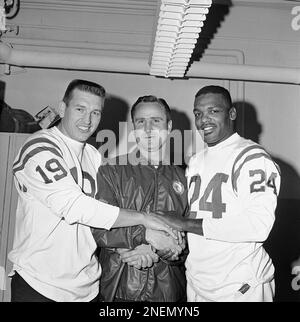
(43, 175)
(252, 155)
(256, 184)
(32, 148)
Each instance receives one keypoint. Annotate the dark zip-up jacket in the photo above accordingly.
(140, 187)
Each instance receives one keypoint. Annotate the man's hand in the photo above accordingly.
(128, 217)
(140, 257)
(194, 226)
(159, 222)
(165, 223)
(162, 241)
(169, 255)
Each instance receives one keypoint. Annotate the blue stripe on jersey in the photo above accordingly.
(249, 148)
(241, 154)
(236, 174)
(33, 153)
(31, 142)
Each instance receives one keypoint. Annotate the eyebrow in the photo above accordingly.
(82, 104)
(210, 107)
(152, 118)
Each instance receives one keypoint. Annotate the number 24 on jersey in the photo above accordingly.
(214, 188)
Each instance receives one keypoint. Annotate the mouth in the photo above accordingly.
(149, 137)
(150, 140)
(84, 129)
(207, 128)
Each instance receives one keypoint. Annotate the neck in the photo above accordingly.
(222, 140)
(154, 157)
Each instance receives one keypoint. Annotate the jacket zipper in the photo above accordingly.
(155, 193)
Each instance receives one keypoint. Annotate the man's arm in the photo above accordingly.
(46, 177)
(109, 191)
(257, 184)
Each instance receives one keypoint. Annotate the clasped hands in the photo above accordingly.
(161, 245)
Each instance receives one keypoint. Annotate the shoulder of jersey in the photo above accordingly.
(245, 152)
(40, 141)
(193, 164)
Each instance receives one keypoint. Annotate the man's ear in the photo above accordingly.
(232, 113)
(62, 108)
(170, 124)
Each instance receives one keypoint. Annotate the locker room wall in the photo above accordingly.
(9, 146)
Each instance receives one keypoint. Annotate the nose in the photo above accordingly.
(148, 126)
(205, 117)
(87, 118)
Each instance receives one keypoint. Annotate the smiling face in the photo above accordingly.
(213, 118)
(151, 126)
(81, 117)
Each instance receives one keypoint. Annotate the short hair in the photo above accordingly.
(216, 90)
(85, 86)
(152, 99)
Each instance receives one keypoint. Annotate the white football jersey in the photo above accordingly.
(53, 247)
(233, 186)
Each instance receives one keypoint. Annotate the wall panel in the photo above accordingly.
(9, 145)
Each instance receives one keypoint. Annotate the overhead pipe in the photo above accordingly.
(41, 59)
(26, 58)
(246, 73)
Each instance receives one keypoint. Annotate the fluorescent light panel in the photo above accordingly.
(177, 32)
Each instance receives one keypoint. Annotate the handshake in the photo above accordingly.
(161, 246)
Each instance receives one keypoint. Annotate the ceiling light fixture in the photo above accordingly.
(178, 28)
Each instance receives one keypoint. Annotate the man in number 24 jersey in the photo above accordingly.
(233, 188)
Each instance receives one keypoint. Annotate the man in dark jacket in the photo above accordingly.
(141, 264)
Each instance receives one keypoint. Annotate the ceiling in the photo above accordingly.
(111, 28)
